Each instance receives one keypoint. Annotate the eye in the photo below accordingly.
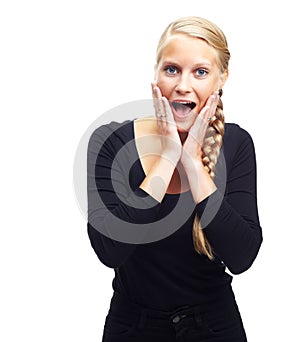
(171, 70)
(201, 72)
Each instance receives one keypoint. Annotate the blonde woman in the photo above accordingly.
(187, 177)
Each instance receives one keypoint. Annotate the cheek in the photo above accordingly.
(203, 94)
(164, 86)
(205, 89)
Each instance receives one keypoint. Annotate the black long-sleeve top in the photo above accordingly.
(149, 244)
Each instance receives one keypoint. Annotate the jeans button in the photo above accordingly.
(176, 319)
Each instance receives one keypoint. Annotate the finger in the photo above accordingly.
(215, 100)
(155, 96)
(211, 103)
(199, 128)
(156, 91)
(159, 106)
(201, 123)
(153, 84)
(205, 113)
(168, 111)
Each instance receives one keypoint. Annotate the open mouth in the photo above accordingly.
(183, 109)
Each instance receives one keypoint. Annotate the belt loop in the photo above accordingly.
(198, 318)
(142, 319)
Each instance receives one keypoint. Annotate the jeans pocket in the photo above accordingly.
(118, 325)
(226, 321)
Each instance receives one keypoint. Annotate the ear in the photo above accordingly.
(223, 78)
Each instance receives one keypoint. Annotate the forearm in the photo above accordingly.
(201, 184)
(235, 237)
(158, 179)
(118, 211)
(230, 215)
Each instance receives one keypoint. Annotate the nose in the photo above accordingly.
(184, 85)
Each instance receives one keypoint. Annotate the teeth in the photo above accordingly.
(189, 104)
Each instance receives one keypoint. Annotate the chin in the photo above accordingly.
(184, 126)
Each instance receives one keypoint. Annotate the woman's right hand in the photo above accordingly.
(171, 146)
(159, 176)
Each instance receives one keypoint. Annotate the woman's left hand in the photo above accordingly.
(192, 148)
(201, 184)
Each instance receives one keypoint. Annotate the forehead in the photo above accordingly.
(190, 49)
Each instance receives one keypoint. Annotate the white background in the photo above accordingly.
(64, 63)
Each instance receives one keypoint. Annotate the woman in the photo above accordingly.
(172, 200)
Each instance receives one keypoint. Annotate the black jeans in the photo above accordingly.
(219, 321)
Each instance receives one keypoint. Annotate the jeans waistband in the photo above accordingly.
(121, 303)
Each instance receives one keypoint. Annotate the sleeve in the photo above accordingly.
(234, 232)
(116, 213)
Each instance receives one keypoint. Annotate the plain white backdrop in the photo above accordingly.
(64, 63)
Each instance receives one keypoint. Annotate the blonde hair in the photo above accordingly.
(209, 32)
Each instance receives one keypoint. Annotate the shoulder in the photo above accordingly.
(109, 138)
(237, 143)
(235, 132)
(236, 136)
(112, 134)
(113, 129)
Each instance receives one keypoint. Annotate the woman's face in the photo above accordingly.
(187, 74)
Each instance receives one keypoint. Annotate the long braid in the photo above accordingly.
(211, 150)
(209, 32)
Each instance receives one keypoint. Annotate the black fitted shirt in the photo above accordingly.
(158, 266)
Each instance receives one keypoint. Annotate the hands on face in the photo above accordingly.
(192, 148)
(167, 129)
(191, 151)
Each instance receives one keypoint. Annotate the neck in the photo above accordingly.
(183, 136)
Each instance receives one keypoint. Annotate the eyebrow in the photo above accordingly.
(206, 64)
(198, 65)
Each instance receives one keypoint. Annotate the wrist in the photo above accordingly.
(158, 178)
(192, 165)
(171, 155)
(201, 183)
